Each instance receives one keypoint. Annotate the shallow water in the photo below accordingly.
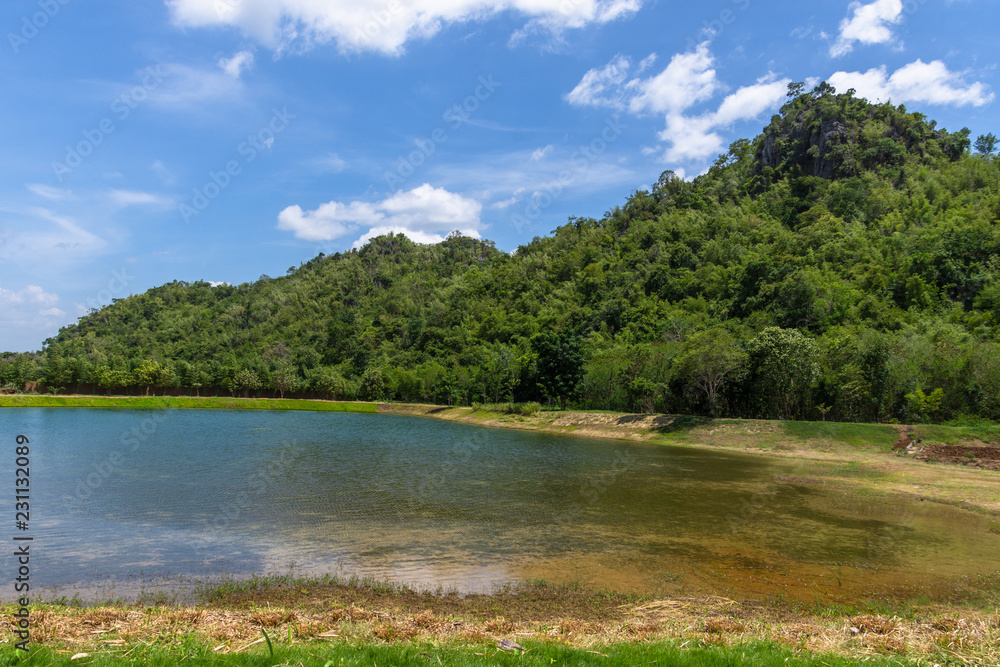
(125, 500)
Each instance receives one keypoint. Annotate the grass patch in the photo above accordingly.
(181, 402)
(187, 650)
(957, 433)
(859, 436)
(534, 600)
(526, 409)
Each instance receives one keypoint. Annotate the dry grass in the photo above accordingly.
(960, 634)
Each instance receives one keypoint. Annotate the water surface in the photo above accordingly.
(125, 499)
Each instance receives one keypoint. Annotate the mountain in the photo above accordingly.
(844, 264)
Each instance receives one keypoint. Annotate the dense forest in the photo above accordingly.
(845, 264)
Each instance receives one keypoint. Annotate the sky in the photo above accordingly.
(222, 140)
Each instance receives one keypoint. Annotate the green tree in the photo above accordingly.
(712, 359)
(246, 381)
(560, 364)
(151, 374)
(110, 378)
(284, 379)
(986, 144)
(373, 384)
(783, 366)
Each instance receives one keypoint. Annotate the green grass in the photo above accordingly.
(859, 436)
(957, 432)
(160, 402)
(188, 650)
(527, 409)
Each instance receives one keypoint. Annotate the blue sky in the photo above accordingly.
(145, 142)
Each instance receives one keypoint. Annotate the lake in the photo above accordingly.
(129, 501)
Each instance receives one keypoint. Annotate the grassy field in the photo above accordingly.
(186, 402)
(330, 622)
(186, 650)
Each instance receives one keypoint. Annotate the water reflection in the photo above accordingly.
(120, 495)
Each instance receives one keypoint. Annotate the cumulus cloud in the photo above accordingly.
(239, 63)
(867, 24)
(750, 101)
(602, 87)
(27, 314)
(690, 138)
(931, 83)
(425, 214)
(377, 25)
(688, 79)
(30, 295)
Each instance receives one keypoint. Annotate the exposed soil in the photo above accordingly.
(983, 456)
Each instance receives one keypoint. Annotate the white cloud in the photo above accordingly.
(869, 24)
(539, 153)
(189, 88)
(931, 83)
(332, 162)
(602, 87)
(687, 80)
(422, 213)
(646, 63)
(30, 295)
(510, 201)
(417, 236)
(377, 25)
(751, 101)
(27, 314)
(123, 198)
(48, 192)
(239, 63)
(64, 240)
(690, 138)
(696, 138)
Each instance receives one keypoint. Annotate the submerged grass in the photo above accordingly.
(185, 402)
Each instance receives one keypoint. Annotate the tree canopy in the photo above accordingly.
(846, 261)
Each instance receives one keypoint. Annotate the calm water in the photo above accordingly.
(128, 500)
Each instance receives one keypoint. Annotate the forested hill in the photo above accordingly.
(843, 264)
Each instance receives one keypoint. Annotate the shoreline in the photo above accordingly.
(323, 614)
(852, 454)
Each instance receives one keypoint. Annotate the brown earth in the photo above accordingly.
(986, 457)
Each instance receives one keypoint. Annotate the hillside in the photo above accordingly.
(845, 264)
